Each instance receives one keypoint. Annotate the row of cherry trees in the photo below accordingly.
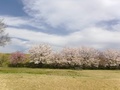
(80, 57)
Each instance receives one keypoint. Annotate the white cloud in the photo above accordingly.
(14, 21)
(22, 21)
(95, 37)
(15, 45)
(80, 16)
(35, 37)
(73, 14)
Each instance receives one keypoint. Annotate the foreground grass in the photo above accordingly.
(55, 79)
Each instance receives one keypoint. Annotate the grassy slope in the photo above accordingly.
(54, 79)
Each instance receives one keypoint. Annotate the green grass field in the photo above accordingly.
(55, 79)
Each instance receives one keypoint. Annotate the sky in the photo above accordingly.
(60, 23)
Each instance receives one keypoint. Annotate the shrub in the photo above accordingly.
(4, 59)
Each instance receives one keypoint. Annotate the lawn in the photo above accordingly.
(55, 79)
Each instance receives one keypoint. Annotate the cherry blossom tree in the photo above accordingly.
(17, 58)
(89, 56)
(110, 58)
(41, 53)
(70, 56)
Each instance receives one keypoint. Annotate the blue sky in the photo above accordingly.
(60, 23)
(12, 7)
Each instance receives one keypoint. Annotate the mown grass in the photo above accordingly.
(58, 79)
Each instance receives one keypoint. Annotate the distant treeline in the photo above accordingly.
(42, 56)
